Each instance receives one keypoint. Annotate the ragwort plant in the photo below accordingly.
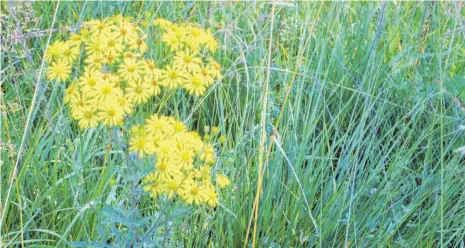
(108, 73)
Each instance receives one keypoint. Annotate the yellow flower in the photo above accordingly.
(140, 145)
(78, 101)
(210, 41)
(59, 70)
(158, 125)
(89, 80)
(95, 46)
(85, 34)
(165, 169)
(172, 40)
(173, 77)
(130, 55)
(190, 140)
(164, 150)
(117, 74)
(71, 91)
(116, 19)
(152, 185)
(196, 37)
(105, 91)
(94, 62)
(192, 193)
(112, 78)
(114, 45)
(172, 185)
(110, 59)
(99, 27)
(157, 139)
(179, 31)
(145, 23)
(207, 154)
(87, 117)
(53, 51)
(184, 157)
(178, 127)
(211, 196)
(137, 130)
(203, 173)
(138, 91)
(138, 44)
(151, 71)
(222, 181)
(125, 31)
(194, 85)
(215, 69)
(187, 60)
(75, 40)
(154, 85)
(111, 115)
(69, 52)
(206, 72)
(124, 102)
(163, 23)
(131, 69)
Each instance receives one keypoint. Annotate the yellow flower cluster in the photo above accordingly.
(190, 67)
(117, 72)
(183, 161)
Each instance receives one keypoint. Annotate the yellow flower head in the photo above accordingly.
(158, 125)
(71, 91)
(141, 145)
(104, 91)
(222, 181)
(195, 85)
(211, 196)
(53, 51)
(187, 60)
(111, 114)
(138, 44)
(96, 46)
(152, 185)
(163, 23)
(69, 52)
(131, 69)
(193, 193)
(89, 80)
(138, 91)
(114, 45)
(210, 41)
(87, 117)
(173, 77)
(124, 102)
(59, 70)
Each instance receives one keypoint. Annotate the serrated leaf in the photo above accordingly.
(112, 215)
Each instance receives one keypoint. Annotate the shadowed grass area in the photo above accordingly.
(358, 136)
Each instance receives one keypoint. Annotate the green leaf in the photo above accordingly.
(457, 87)
(111, 215)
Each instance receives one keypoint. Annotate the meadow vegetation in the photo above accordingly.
(335, 124)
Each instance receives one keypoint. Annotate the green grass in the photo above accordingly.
(357, 134)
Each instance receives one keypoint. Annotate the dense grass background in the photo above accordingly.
(359, 147)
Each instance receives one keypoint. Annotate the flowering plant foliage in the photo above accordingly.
(117, 74)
